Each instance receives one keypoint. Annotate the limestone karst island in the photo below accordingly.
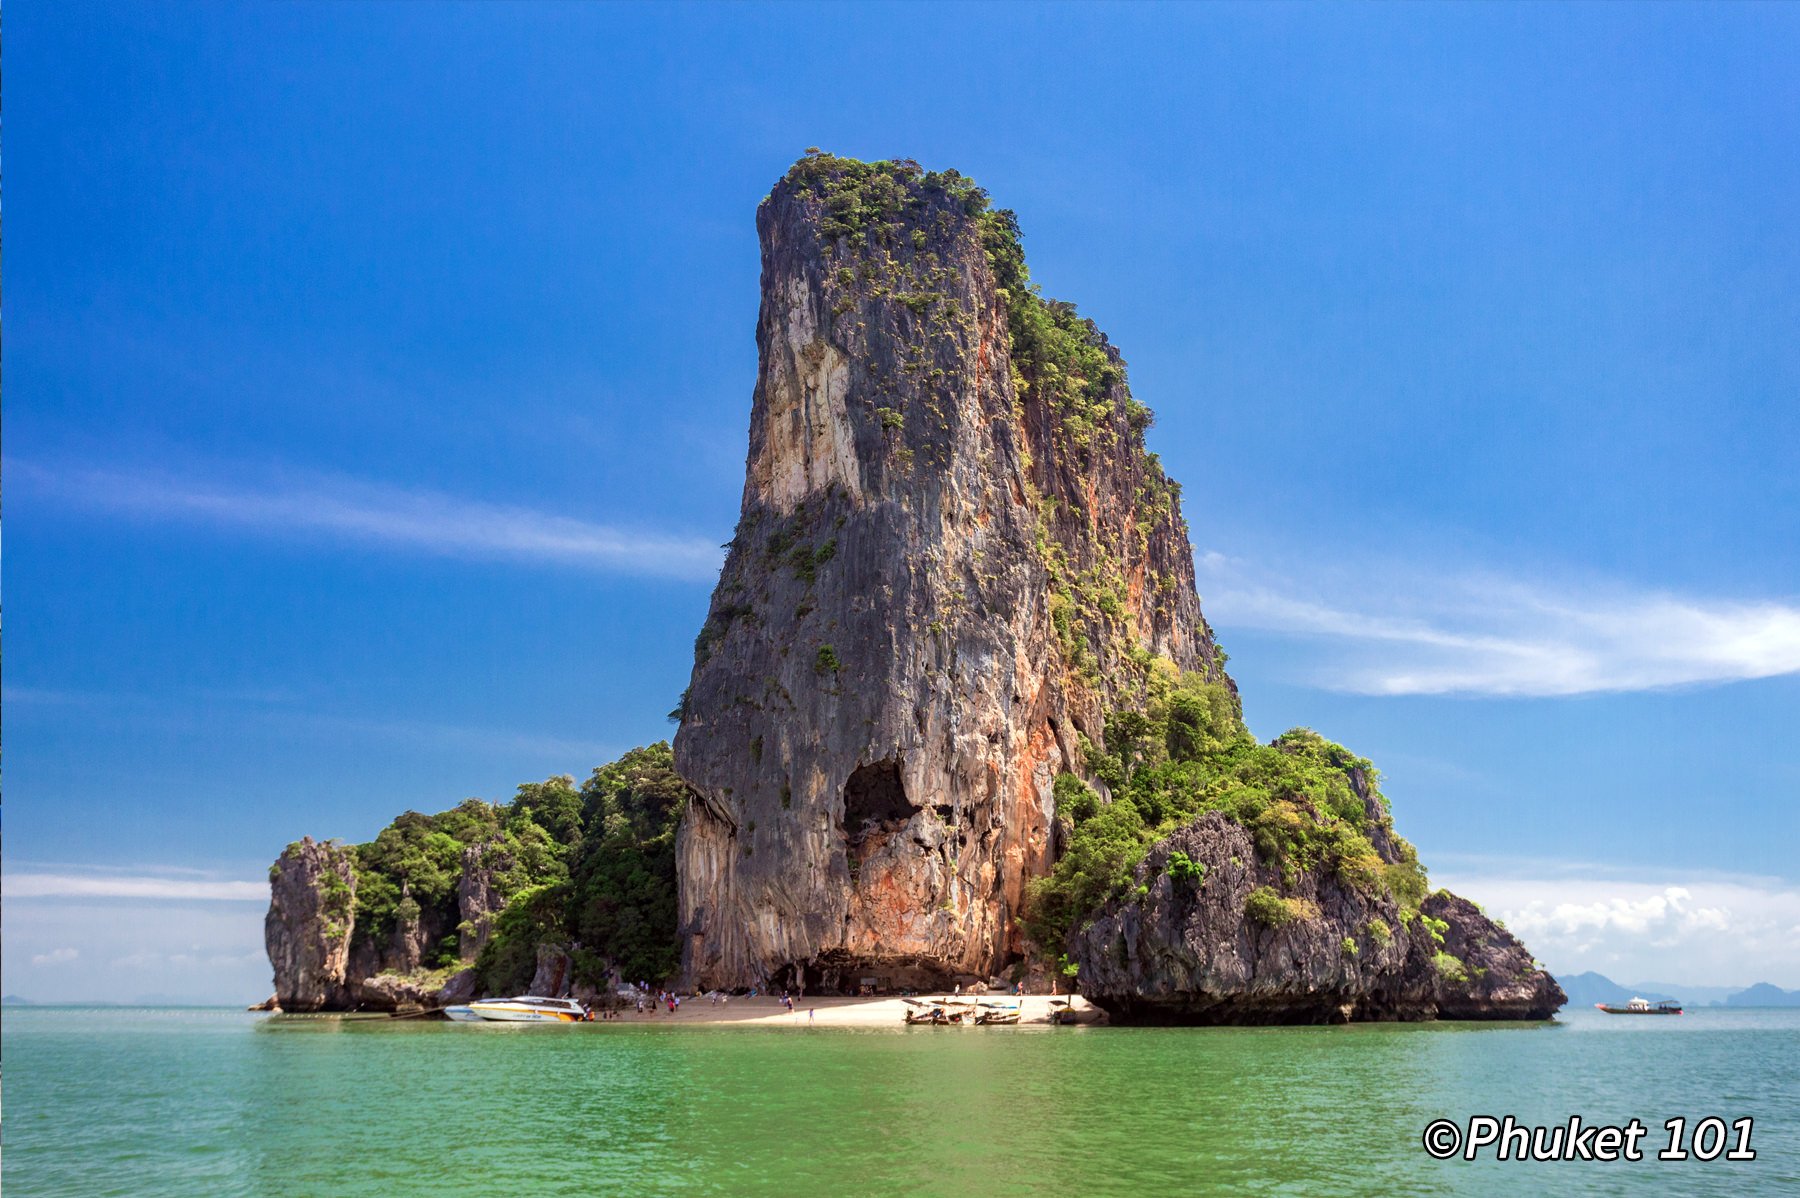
(955, 717)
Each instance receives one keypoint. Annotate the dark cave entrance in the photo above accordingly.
(875, 799)
(841, 973)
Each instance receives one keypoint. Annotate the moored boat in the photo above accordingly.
(1642, 1006)
(939, 1014)
(524, 1009)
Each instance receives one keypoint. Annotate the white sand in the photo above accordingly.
(846, 1012)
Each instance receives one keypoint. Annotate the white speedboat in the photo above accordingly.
(525, 1009)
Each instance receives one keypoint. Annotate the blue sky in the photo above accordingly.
(379, 381)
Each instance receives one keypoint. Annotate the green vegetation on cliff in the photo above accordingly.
(885, 229)
(409, 872)
(590, 870)
(1187, 754)
(872, 207)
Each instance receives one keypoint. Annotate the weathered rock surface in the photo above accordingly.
(552, 977)
(893, 669)
(460, 986)
(1187, 951)
(322, 963)
(1502, 980)
(479, 897)
(395, 992)
(312, 894)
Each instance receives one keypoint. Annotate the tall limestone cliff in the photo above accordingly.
(953, 709)
(954, 556)
(312, 897)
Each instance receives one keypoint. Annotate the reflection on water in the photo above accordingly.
(114, 1101)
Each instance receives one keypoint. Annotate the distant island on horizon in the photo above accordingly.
(1587, 989)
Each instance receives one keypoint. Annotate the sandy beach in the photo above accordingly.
(765, 1011)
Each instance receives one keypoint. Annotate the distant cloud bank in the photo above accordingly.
(1483, 635)
(1703, 930)
(419, 520)
(130, 886)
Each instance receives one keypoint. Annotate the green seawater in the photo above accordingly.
(103, 1101)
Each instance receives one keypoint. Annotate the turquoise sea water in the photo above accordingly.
(106, 1101)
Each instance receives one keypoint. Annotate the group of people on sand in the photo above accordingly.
(664, 999)
(659, 1001)
(787, 1001)
(650, 1002)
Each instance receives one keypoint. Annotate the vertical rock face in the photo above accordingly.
(953, 556)
(551, 977)
(322, 964)
(479, 896)
(312, 894)
(414, 933)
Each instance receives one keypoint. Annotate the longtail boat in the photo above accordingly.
(1641, 1006)
(993, 1013)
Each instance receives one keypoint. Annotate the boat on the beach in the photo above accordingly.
(934, 1016)
(962, 1012)
(525, 1009)
(993, 1013)
(1642, 1006)
(940, 1013)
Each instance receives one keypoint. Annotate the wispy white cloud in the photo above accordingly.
(139, 952)
(1703, 928)
(1472, 634)
(140, 961)
(127, 886)
(284, 505)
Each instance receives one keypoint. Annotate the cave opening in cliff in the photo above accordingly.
(875, 798)
(837, 971)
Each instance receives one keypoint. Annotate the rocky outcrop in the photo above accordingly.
(951, 559)
(460, 986)
(322, 963)
(1498, 979)
(414, 934)
(553, 975)
(1216, 935)
(399, 992)
(479, 896)
(312, 897)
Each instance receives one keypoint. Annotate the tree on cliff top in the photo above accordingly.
(590, 869)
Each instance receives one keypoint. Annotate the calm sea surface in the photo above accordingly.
(189, 1102)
